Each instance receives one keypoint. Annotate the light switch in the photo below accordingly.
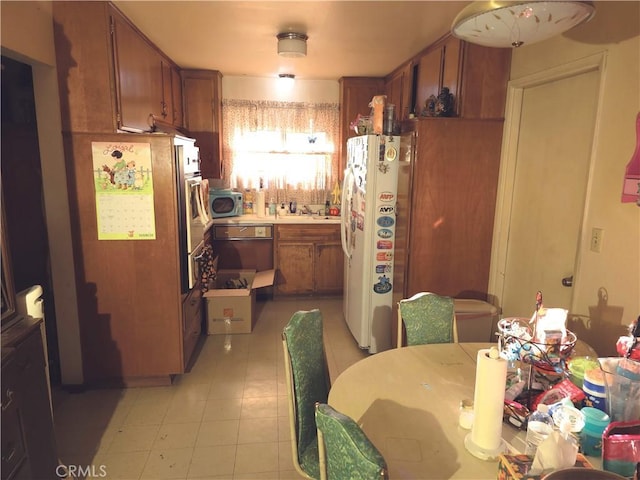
(596, 239)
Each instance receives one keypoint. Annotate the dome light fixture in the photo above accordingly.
(291, 44)
(516, 23)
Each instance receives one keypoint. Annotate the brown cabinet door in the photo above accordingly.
(398, 90)
(138, 69)
(202, 117)
(457, 163)
(329, 267)
(451, 68)
(167, 94)
(176, 92)
(295, 268)
(429, 78)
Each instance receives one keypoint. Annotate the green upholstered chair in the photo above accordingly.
(307, 378)
(427, 318)
(345, 450)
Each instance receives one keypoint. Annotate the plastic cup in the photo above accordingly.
(622, 382)
(595, 421)
(577, 366)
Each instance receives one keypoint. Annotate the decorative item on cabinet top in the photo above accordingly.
(440, 106)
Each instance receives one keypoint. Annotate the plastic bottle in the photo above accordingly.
(539, 426)
(272, 207)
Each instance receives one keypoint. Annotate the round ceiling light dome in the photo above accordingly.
(516, 23)
(291, 44)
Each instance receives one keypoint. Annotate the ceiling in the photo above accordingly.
(346, 38)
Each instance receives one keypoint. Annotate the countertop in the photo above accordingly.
(254, 219)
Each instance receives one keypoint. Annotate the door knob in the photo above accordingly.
(567, 281)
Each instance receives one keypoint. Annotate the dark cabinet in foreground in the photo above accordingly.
(28, 437)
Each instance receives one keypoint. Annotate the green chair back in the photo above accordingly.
(345, 450)
(307, 378)
(427, 318)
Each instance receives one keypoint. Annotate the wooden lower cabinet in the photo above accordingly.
(309, 260)
(329, 260)
(28, 438)
(295, 268)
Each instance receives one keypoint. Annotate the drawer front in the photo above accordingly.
(13, 442)
(191, 324)
(222, 232)
(308, 233)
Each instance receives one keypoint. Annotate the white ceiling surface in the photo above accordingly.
(346, 38)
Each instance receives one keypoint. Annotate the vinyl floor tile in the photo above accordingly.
(227, 418)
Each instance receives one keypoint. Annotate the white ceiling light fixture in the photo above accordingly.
(513, 24)
(291, 44)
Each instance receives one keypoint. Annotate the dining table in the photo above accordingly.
(407, 401)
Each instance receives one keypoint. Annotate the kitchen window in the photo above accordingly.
(289, 148)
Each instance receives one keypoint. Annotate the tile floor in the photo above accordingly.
(225, 419)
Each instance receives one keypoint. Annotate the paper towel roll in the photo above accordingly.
(260, 203)
(485, 440)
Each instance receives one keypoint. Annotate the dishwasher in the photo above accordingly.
(245, 247)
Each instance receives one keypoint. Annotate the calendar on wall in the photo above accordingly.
(123, 180)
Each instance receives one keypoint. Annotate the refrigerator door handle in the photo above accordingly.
(348, 174)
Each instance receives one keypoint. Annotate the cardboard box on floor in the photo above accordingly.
(231, 310)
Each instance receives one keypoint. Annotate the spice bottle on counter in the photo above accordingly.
(248, 202)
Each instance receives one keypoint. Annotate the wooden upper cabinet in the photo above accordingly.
(355, 95)
(438, 67)
(398, 89)
(476, 76)
(110, 75)
(87, 95)
(171, 94)
(138, 70)
(176, 92)
(484, 77)
(202, 92)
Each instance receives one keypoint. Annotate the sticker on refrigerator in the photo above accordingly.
(385, 233)
(386, 196)
(384, 245)
(384, 256)
(383, 285)
(360, 222)
(385, 221)
(386, 209)
(391, 154)
(383, 268)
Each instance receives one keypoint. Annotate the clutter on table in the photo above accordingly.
(594, 402)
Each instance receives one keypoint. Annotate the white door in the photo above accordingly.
(549, 161)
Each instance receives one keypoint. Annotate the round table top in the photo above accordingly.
(407, 402)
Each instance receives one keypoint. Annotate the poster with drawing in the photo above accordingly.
(124, 190)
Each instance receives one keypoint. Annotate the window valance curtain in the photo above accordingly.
(291, 147)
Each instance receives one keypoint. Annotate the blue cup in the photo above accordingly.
(595, 421)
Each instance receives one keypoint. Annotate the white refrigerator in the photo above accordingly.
(369, 196)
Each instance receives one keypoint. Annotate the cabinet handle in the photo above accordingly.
(7, 458)
(9, 396)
